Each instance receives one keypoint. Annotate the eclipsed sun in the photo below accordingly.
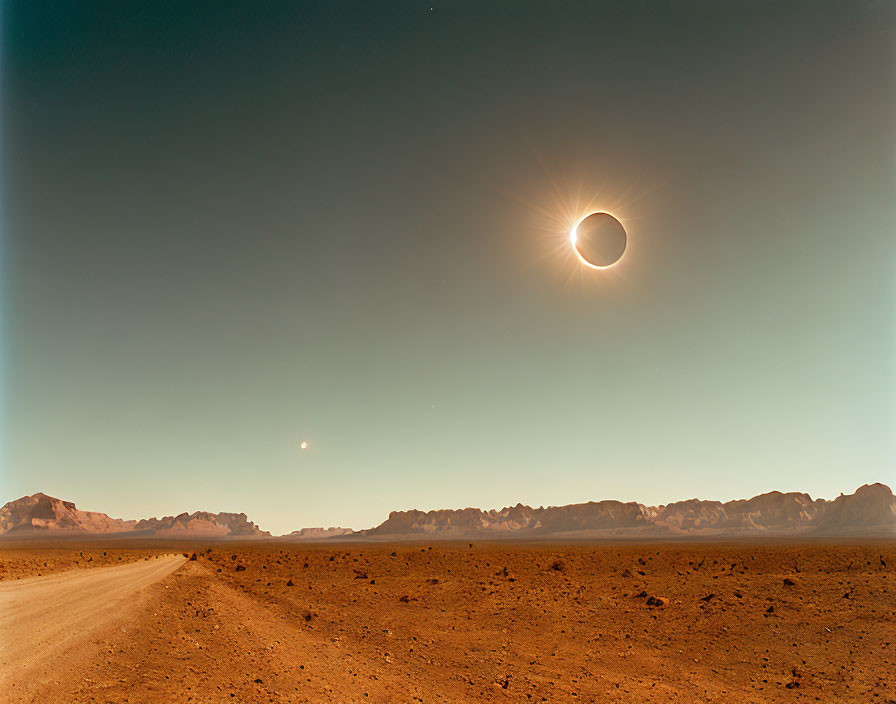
(599, 240)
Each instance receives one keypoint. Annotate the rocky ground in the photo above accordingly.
(30, 560)
(528, 622)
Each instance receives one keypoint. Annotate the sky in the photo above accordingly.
(228, 228)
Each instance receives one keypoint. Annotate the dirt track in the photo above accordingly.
(42, 618)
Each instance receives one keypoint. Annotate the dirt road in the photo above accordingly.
(42, 618)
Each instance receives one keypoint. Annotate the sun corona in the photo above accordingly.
(599, 240)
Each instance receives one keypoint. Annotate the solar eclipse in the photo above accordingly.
(599, 240)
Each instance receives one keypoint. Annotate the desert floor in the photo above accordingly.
(412, 622)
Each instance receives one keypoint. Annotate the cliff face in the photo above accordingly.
(871, 509)
(202, 523)
(599, 515)
(40, 513)
(554, 519)
(766, 513)
(694, 514)
(772, 511)
(872, 506)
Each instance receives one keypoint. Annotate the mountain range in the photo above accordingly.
(40, 514)
(871, 510)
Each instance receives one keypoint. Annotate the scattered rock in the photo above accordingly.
(707, 598)
(193, 557)
(788, 582)
(657, 601)
(290, 583)
(240, 568)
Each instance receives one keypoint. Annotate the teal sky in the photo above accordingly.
(232, 227)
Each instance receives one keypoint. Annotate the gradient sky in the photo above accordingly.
(232, 227)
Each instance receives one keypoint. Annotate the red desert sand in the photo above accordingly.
(412, 622)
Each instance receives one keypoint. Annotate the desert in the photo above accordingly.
(739, 621)
(780, 597)
(463, 351)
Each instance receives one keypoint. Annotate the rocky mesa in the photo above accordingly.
(318, 533)
(41, 514)
(47, 514)
(202, 524)
(871, 510)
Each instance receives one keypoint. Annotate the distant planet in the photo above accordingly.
(599, 240)
(304, 445)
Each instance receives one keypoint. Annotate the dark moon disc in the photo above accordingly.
(599, 240)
